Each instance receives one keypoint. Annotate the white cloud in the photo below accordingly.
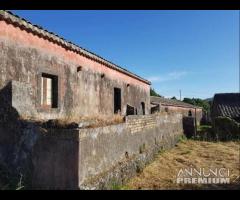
(168, 77)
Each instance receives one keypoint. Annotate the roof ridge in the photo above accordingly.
(14, 19)
(227, 93)
(172, 101)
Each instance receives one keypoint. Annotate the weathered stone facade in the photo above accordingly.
(160, 104)
(195, 112)
(85, 82)
(83, 85)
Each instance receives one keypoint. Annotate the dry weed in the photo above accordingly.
(162, 173)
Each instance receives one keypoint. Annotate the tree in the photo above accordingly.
(153, 93)
(188, 100)
(198, 102)
(174, 98)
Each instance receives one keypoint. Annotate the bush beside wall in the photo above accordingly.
(226, 128)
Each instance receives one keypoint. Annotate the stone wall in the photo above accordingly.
(139, 123)
(55, 160)
(101, 157)
(184, 111)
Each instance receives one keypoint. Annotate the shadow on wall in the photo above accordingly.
(9, 125)
(55, 161)
(9, 134)
(23, 147)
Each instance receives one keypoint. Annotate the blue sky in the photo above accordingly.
(195, 51)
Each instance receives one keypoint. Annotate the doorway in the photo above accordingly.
(117, 100)
(143, 108)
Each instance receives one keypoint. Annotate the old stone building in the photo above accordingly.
(46, 77)
(52, 78)
(175, 106)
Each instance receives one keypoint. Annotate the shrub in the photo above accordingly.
(182, 138)
(226, 128)
(205, 133)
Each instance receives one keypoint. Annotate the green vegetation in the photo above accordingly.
(125, 187)
(198, 102)
(203, 128)
(226, 128)
(205, 104)
(205, 133)
(153, 93)
(116, 186)
(182, 138)
(119, 187)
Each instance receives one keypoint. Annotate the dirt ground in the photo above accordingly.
(162, 173)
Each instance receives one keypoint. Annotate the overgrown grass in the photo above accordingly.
(162, 173)
(93, 121)
(116, 186)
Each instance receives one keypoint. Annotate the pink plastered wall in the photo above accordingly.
(22, 37)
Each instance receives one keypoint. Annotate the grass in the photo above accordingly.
(162, 173)
(94, 120)
(203, 128)
(106, 120)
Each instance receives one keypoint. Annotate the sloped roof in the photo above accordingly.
(23, 23)
(227, 105)
(170, 102)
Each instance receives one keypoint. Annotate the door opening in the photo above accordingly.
(117, 100)
(143, 108)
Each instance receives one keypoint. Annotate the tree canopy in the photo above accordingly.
(198, 102)
(194, 101)
(154, 93)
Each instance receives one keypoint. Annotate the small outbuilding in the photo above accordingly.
(170, 105)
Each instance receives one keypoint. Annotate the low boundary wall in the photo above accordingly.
(98, 158)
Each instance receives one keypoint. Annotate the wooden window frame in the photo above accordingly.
(54, 91)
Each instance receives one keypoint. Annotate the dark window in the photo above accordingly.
(143, 108)
(130, 110)
(155, 108)
(49, 91)
(117, 100)
(79, 68)
(190, 113)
